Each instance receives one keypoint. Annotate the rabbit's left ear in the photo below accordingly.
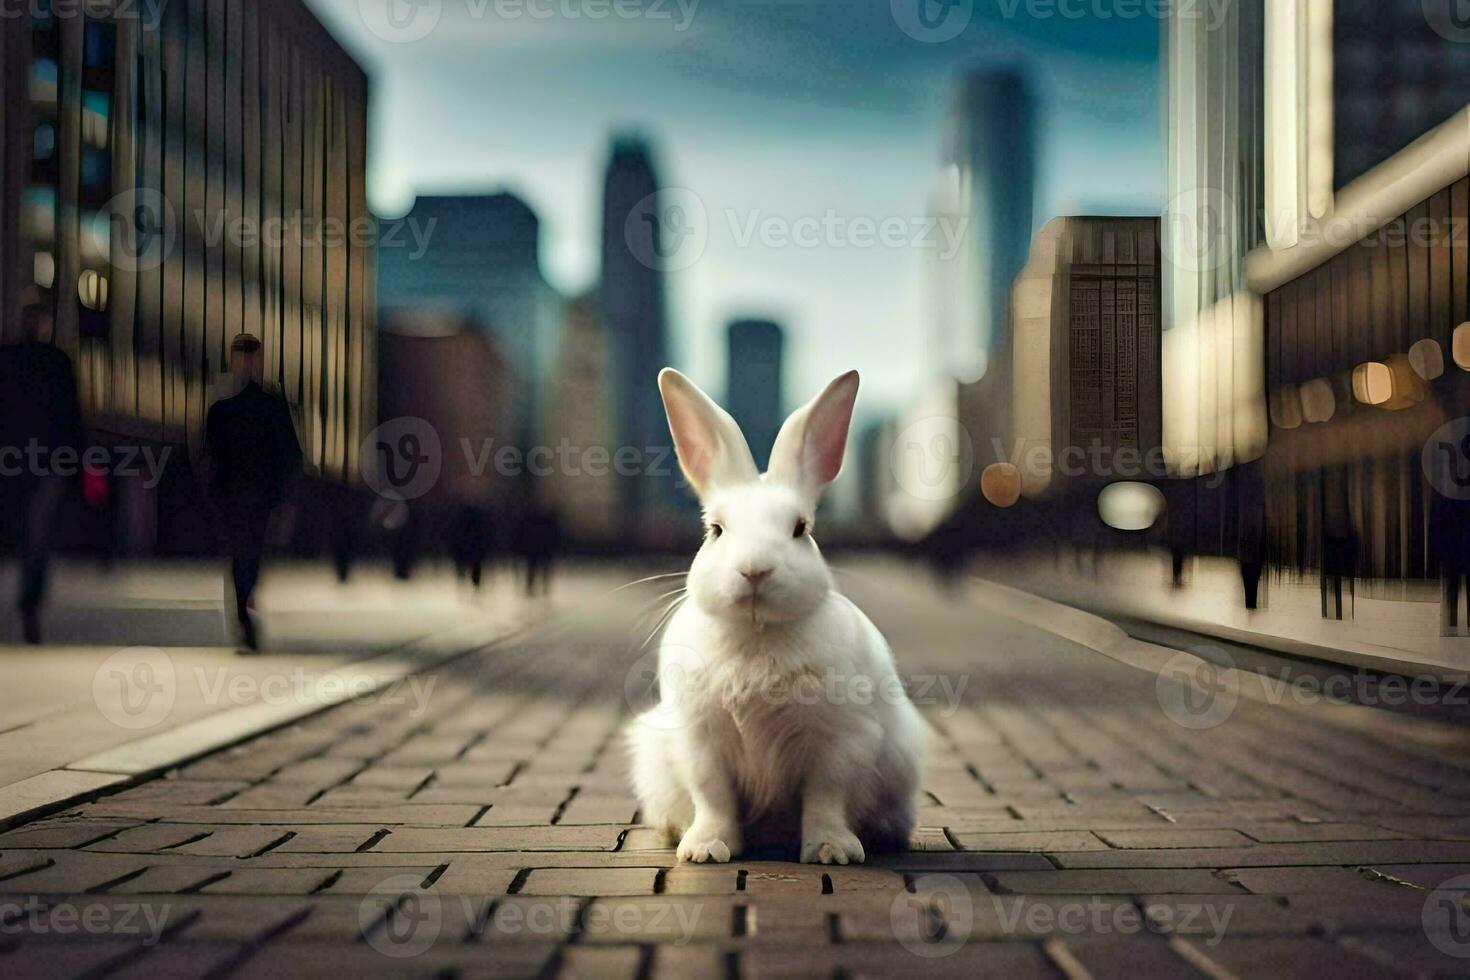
(810, 447)
(711, 448)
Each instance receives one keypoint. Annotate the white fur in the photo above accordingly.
(781, 715)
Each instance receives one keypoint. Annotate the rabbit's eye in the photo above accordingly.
(716, 530)
(801, 529)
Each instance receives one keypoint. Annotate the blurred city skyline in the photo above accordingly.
(771, 113)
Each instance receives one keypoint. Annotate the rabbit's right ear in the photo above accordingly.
(712, 450)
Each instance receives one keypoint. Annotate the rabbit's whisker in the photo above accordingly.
(655, 608)
(651, 578)
(669, 612)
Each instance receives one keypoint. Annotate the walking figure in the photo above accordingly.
(539, 542)
(254, 454)
(40, 426)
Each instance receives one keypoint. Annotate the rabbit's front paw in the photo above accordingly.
(831, 845)
(707, 843)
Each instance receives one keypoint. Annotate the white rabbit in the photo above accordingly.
(780, 708)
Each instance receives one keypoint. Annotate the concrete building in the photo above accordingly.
(158, 199)
(753, 385)
(1087, 403)
(481, 259)
(446, 370)
(581, 430)
(1314, 280)
(1305, 99)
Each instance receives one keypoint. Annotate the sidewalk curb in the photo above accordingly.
(1103, 637)
(138, 761)
(1347, 651)
(1367, 656)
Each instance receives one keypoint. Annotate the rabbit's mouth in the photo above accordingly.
(763, 606)
(755, 602)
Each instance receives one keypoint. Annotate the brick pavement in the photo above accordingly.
(1069, 828)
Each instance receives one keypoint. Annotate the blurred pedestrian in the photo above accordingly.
(40, 438)
(253, 456)
(341, 511)
(1449, 533)
(1250, 535)
(469, 542)
(538, 542)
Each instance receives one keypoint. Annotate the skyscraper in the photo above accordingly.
(753, 386)
(478, 256)
(992, 142)
(989, 185)
(634, 314)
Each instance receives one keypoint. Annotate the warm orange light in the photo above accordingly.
(1408, 388)
(1373, 383)
(1460, 349)
(1001, 484)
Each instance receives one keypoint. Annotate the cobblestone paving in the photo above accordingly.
(1070, 827)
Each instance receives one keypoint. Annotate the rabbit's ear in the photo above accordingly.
(712, 450)
(809, 449)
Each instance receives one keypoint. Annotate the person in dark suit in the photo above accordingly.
(253, 456)
(40, 427)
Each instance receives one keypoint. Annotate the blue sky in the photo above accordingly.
(771, 112)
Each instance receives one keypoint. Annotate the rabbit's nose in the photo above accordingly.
(755, 576)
